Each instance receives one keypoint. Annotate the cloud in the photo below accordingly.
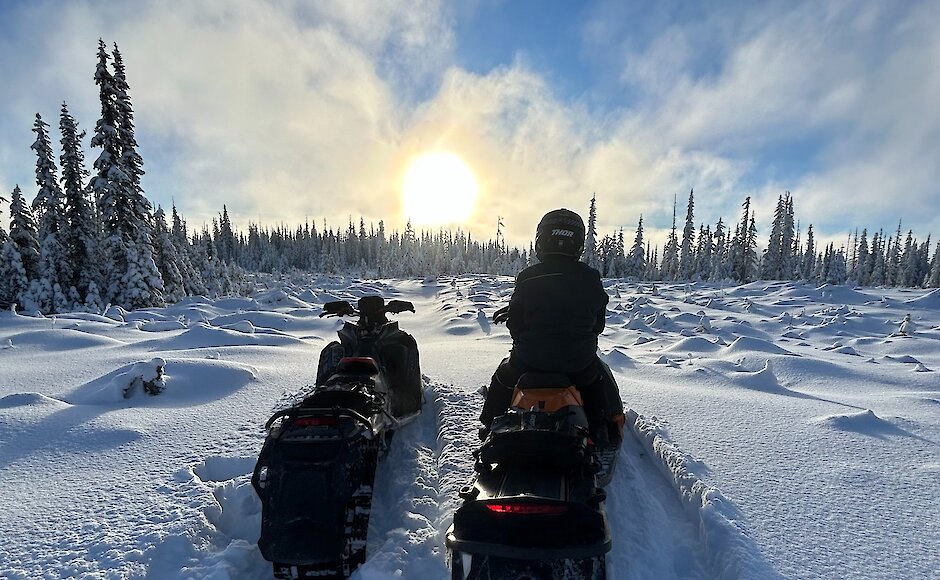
(287, 110)
(856, 82)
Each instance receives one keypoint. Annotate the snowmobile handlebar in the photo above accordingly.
(501, 315)
(344, 308)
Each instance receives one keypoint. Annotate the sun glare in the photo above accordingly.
(439, 188)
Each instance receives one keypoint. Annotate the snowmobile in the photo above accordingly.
(535, 505)
(316, 469)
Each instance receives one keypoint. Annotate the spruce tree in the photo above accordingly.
(670, 267)
(788, 241)
(54, 269)
(133, 279)
(934, 280)
(809, 258)
(23, 235)
(80, 236)
(893, 260)
(741, 259)
(167, 259)
(590, 239)
(636, 261)
(6, 297)
(750, 251)
(688, 239)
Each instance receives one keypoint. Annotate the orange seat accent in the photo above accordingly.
(549, 400)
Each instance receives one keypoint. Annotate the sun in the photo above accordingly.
(439, 188)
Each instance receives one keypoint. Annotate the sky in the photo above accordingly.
(287, 111)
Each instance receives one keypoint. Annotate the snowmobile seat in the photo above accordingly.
(358, 364)
(534, 380)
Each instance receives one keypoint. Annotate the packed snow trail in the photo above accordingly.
(653, 536)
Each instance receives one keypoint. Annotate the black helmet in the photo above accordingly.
(560, 233)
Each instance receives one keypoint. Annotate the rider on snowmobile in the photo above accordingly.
(556, 313)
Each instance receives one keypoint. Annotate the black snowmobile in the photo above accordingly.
(316, 470)
(535, 506)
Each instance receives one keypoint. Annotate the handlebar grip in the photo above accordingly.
(501, 315)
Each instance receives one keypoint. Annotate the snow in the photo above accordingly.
(775, 430)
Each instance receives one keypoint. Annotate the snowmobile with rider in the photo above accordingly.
(552, 425)
(316, 469)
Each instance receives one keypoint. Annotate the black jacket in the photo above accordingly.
(556, 314)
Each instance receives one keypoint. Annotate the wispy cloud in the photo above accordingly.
(286, 110)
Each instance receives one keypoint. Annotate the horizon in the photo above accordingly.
(256, 106)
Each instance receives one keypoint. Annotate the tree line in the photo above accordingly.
(90, 239)
(719, 254)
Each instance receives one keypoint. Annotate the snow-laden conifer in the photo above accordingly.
(167, 259)
(670, 267)
(934, 280)
(55, 274)
(686, 256)
(23, 234)
(132, 277)
(80, 234)
(636, 260)
(590, 256)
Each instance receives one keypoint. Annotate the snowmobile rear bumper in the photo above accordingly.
(576, 532)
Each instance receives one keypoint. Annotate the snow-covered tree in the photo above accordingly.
(934, 280)
(80, 233)
(670, 267)
(688, 239)
(23, 235)
(133, 279)
(167, 259)
(590, 256)
(636, 260)
(55, 274)
(809, 257)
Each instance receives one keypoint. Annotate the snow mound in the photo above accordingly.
(206, 336)
(188, 382)
(664, 360)
(843, 295)
(747, 343)
(904, 358)
(865, 422)
(637, 323)
(115, 313)
(263, 319)
(618, 359)
(161, 325)
(762, 380)
(693, 344)
(280, 298)
(29, 400)
(732, 552)
(846, 350)
(53, 340)
(121, 384)
(87, 317)
(930, 300)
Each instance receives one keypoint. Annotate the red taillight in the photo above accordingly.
(317, 421)
(539, 509)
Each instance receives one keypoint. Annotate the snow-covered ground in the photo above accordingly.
(778, 430)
